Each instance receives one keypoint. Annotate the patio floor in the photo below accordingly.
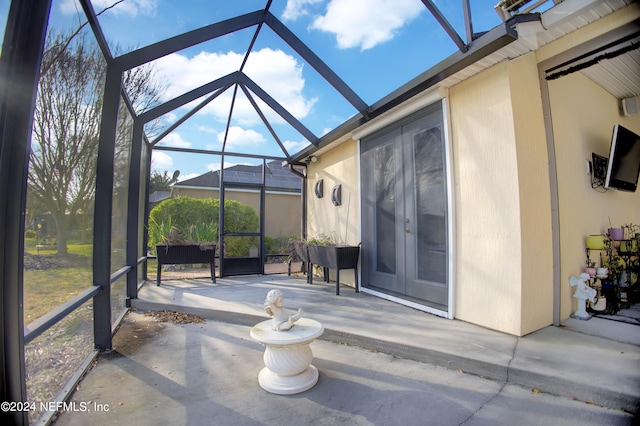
(372, 360)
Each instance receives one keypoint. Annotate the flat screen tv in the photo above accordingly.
(624, 160)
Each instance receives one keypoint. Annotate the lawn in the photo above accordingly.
(51, 279)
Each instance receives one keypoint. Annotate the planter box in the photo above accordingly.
(335, 257)
(186, 254)
(302, 251)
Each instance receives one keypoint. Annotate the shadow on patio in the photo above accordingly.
(371, 359)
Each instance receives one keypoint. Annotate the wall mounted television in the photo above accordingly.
(624, 160)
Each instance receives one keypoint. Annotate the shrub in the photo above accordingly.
(193, 220)
(279, 245)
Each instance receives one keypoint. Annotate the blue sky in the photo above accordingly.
(375, 46)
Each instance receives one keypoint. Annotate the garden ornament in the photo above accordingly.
(274, 307)
(583, 292)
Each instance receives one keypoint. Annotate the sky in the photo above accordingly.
(375, 46)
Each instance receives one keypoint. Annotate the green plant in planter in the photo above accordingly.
(632, 233)
(615, 264)
(631, 230)
(202, 232)
(159, 231)
(324, 253)
(321, 240)
(187, 220)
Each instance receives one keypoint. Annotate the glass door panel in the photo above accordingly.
(427, 209)
(404, 210)
(385, 205)
(382, 213)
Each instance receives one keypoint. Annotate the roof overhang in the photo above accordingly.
(480, 48)
(518, 36)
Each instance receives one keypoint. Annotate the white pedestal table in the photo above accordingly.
(288, 356)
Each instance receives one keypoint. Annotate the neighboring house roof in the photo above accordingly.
(277, 178)
(158, 196)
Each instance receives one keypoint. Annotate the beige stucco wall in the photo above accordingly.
(488, 270)
(503, 224)
(583, 118)
(283, 215)
(502, 190)
(503, 221)
(194, 193)
(534, 197)
(341, 223)
(283, 211)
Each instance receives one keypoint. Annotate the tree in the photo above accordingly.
(66, 126)
(161, 181)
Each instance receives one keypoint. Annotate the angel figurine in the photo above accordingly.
(274, 306)
(583, 292)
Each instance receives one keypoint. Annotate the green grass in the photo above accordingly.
(47, 289)
(72, 248)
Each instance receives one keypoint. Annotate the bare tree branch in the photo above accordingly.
(66, 129)
(65, 44)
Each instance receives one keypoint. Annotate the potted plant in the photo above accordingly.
(591, 268)
(615, 234)
(630, 252)
(631, 245)
(328, 255)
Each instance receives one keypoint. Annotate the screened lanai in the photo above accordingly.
(99, 95)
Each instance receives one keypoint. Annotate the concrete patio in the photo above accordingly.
(380, 363)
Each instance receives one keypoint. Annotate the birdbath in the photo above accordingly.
(287, 356)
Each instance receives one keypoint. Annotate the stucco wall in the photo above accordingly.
(487, 209)
(503, 217)
(503, 223)
(583, 118)
(501, 197)
(194, 193)
(341, 223)
(283, 215)
(535, 195)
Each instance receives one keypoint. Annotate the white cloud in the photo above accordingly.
(128, 7)
(295, 146)
(240, 137)
(212, 167)
(207, 129)
(297, 8)
(366, 23)
(185, 74)
(279, 74)
(174, 139)
(188, 176)
(161, 161)
(170, 117)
